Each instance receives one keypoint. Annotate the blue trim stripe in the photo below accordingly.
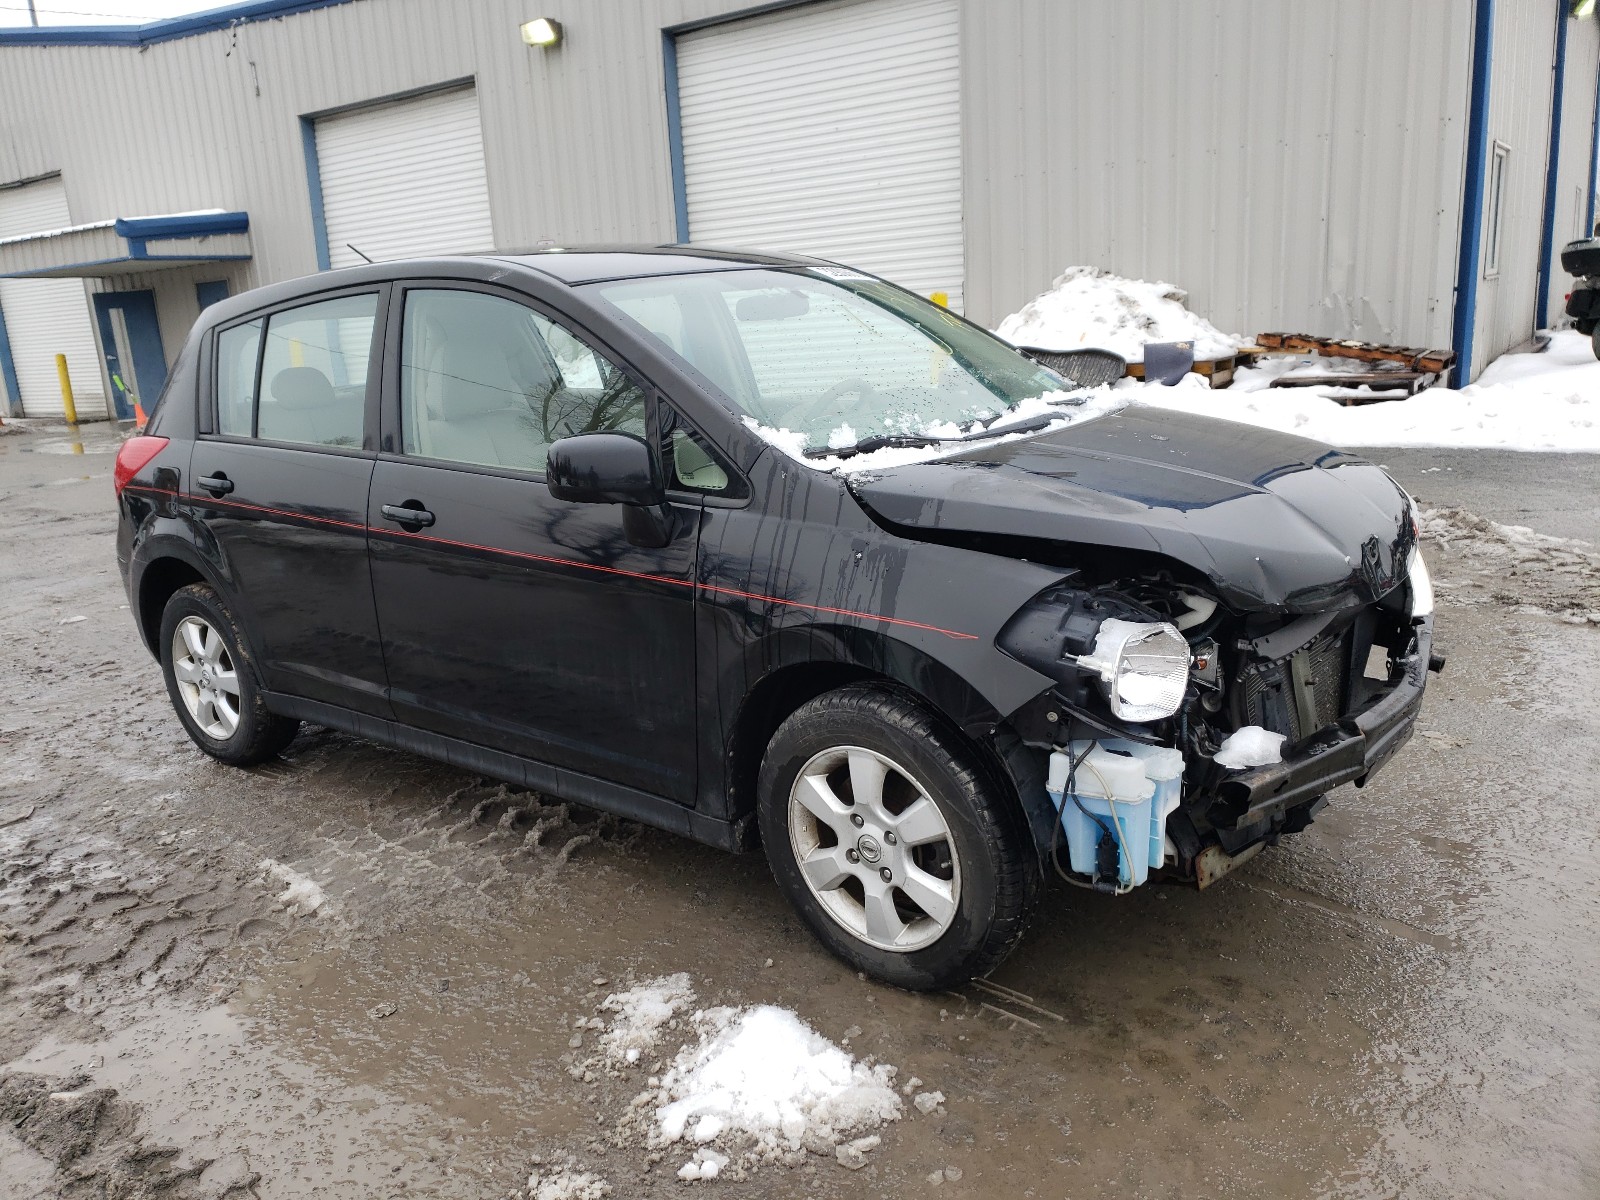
(169, 30)
(12, 397)
(1466, 309)
(1547, 238)
(194, 225)
(1594, 161)
(319, 221)
(680, 191)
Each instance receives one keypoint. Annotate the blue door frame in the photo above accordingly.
(149, 366)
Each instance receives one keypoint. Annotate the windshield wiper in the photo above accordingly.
(882, 441)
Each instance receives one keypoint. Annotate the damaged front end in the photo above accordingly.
(1153, 675)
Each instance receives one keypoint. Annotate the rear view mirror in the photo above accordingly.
(602, 468)
(773, 306)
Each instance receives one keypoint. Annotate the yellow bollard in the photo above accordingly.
(68, 408)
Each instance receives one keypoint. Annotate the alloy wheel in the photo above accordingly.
(874, 849)
(206, 677)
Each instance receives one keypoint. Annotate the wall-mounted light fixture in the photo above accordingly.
(545, 32)
(1582, 8)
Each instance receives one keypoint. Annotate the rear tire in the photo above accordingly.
(1594, 340)
(211, 682)
(898, 849)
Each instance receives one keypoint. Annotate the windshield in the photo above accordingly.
(832, 355)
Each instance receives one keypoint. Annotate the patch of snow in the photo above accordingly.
(563, 1183)
(706, 1164)
(1548, 401)
(301, 895)
(642, 1011)
(1087, 308)
(841, 437)
(1251, 746)
(762, 1075)
(928, 1102)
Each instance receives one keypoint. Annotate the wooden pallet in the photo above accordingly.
(1434, 362)
(1218, 371)
(1408, 382)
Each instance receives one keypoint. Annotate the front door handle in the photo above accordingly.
(409, 513)
(218, 484)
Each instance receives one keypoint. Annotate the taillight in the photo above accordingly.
(135, 454)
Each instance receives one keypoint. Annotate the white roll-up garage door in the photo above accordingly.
(47, 317)
(405, 179)
(832, 130)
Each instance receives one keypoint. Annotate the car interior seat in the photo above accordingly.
(304, 408)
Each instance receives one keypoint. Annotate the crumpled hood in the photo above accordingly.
(1276, 522)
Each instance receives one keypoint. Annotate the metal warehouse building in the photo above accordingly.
(1394, 170)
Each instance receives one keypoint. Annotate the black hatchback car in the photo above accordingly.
(764, 550)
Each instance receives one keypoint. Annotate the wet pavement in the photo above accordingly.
(1402, 1001)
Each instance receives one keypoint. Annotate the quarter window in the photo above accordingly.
(490, 382)
(238, 350)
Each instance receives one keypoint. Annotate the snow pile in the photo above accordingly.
(761, 1074)
(1548, 401)
(641, 1013)
(1251, 746)
(1070, 408)
(754, 1085)
(301, 896)
(1087, 308)
(1511, 565)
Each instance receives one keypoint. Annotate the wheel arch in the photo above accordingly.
(169, 564)
(804, 666)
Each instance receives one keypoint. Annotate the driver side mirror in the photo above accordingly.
(603, 468)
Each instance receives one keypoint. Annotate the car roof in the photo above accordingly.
(565, 265)
(589, 264)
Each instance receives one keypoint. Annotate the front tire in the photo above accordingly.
(897, 848)
(210, 682)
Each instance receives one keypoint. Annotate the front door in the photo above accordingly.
(130, 340)
(281, 484)
(512, 620)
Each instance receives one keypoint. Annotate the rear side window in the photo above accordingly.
(298, 375)
(487, 381)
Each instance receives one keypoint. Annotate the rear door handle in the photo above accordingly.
(218, 484)
(409, 513)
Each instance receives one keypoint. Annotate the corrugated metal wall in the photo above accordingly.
(1519, 117)
(1577, 152)
(1292, 165)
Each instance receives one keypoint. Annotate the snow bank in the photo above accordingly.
(641, 1013)
(1548, 401)
(302, 896)
(1251, 746)
(765, 1074)
(1087, 308)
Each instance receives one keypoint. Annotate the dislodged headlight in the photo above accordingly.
(1421, 585)
(1143, 668)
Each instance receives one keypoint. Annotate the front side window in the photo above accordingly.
(487, 381)
(831, 355)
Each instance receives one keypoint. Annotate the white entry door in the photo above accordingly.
(832, 130)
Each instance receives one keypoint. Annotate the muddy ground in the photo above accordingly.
(1401, 1001)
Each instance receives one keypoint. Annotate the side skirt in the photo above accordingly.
(735, 835)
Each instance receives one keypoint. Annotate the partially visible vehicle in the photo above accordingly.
(764, 550)
(1582, 259)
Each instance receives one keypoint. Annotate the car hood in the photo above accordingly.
(1275, 522)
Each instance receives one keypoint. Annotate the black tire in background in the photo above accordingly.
(994, 860)
(257, 734)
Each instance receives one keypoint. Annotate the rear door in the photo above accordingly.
(510, 619)
(280, 482)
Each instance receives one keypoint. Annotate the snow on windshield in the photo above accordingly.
(1068, 408)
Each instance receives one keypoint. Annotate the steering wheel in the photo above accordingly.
(818, 408)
